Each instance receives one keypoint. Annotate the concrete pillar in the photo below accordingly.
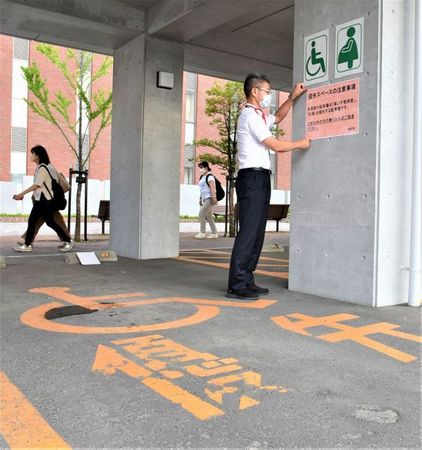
(146, 150)
(350, 226)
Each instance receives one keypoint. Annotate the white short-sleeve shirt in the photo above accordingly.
(252, 129)
(43, 179)
(204, 189)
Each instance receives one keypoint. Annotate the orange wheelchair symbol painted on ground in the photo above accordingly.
(206, 309)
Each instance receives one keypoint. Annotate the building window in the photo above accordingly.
(188, 177)
(273, 155)
(190, 127)
(20, 49)
(19, 111)
(273, 159)
(274, 102)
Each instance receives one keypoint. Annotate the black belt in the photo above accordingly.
(256, 169)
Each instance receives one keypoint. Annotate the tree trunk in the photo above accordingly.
(232, 225)
(78, 213)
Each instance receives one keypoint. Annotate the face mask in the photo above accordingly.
(266, 101)
(202, 171)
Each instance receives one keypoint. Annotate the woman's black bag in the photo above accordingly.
(219, 191)
(58, 200)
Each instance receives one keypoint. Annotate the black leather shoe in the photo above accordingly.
(242, 294)
(258, 289)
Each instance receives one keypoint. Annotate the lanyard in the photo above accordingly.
(258, 111)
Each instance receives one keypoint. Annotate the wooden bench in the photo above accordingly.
(219, 210)
(104, 213)
(275, 212)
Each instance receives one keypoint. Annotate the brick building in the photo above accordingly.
(21, 128)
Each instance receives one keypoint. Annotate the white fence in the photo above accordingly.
(100, 190)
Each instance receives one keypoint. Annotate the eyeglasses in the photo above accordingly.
(268, 91)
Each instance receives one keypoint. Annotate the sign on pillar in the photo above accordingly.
(316, 58)
(349, 48)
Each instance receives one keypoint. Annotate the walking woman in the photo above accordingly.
(207, 200)
(42, 194)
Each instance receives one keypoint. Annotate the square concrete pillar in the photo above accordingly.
(146, 135)
(350, 200)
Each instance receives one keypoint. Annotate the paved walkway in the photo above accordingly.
(150, 354)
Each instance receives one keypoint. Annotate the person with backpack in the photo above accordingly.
(44, 202)
(208, 198)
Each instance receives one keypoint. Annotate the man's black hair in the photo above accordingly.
(252, 80)
(42, 154)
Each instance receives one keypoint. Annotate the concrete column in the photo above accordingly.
(350, 226)
(146, 150)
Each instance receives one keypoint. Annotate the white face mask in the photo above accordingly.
(266, 101)
(202, 170)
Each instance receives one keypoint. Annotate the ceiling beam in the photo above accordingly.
(183, 20)
(56, 28)
(98, 11)
(218, 63)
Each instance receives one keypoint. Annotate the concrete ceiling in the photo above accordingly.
(226, 38)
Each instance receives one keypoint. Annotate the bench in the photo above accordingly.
(104, 212)
(219, 210)
(275, 212)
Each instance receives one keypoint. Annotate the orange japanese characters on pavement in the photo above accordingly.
(164, 360)
(349, 333)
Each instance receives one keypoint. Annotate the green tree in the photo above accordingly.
(223, 105)
(75, 66)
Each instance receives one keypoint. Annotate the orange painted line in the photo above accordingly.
(61, 293)
(283, 275)
(403, 335)
(191, 403)
(205, 263)
(272, 265)
(208, 258)
(387, 350)
(261, 258)
(21, 425)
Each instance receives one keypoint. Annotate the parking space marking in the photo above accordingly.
(207, 257)
(225, 382)
(349, 333)
(21, 425)
(206, 309)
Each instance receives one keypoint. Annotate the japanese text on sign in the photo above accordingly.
(333, 110)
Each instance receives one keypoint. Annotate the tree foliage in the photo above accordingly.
(223, 105)
(75, 67)
(58, 108)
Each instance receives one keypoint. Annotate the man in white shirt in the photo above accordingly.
(253, 185)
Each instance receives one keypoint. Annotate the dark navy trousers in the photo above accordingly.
(253, 189)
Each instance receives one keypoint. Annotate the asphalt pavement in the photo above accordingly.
(150, 354)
